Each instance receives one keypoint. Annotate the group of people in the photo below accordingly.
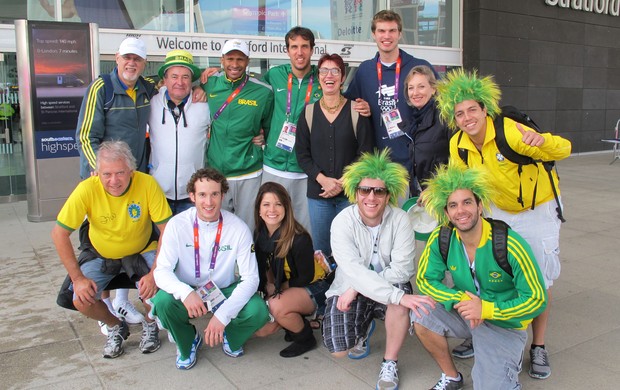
(251, 181)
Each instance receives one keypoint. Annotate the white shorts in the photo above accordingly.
(541, 229)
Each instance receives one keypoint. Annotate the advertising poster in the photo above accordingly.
(60, 68)
(350, 20)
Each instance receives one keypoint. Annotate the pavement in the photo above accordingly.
(45, 346)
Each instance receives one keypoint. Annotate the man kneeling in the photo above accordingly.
(372, 243)
(488, 304)
(196, 266)
(121, 206)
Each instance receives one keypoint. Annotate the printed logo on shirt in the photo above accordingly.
(247, 102)
(386, 100)
(252, 249)
(225, 248)
(134, 211)
(499, 157)
(189, 245)
(453, 268)
(280, 89)
(495, 277)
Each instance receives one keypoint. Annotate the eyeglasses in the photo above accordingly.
(380, 192)
(333, 71)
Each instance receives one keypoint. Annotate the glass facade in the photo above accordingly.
(202, 26)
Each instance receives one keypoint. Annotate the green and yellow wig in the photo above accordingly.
(449, 178)
(376, 165)
(458, 86)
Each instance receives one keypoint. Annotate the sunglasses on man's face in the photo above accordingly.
(379, 191)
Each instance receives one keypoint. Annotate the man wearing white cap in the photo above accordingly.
(117, 106)
(241, 106)
(178, 129)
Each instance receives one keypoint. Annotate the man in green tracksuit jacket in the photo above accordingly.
(486, 304)
(240, 107)
(295, 85)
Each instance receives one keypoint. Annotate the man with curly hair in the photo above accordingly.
(523, 196)
(372, 243)
(487, 304)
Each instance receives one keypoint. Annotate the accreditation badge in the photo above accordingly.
(211, 295)
(391, 119)
(286, 140)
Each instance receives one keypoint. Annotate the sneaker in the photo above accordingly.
(388, 377)
(103, 328)
(362, 348)
(464, 351)
(149, 342)
(161, 327)
(191, 361)
(447, 384)
(113, 347)
(128, 312)
(539, 363)
(228, 351)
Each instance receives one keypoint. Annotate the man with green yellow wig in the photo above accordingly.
(372, 243)
(487, 304)
(523, 195)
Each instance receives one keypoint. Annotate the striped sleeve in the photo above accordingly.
(91, 123)
(532, 296)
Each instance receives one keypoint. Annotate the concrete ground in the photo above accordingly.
(44, 346)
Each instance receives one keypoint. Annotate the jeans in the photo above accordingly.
(322, 213)
(178, 206)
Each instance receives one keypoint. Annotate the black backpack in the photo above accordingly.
(499, 237)
(519, 159)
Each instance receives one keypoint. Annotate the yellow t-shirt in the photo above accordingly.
(119, 225)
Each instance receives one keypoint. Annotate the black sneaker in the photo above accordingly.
(447, 384)
(464, 351)
(113, 347)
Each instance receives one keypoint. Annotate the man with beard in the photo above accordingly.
(241, 106)
(488, 304)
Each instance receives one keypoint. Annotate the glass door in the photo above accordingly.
(12, 173)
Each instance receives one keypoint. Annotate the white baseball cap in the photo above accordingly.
(421, 221)
(236, 44)
(132, 46)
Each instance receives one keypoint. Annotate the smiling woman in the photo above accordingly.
(327, 142)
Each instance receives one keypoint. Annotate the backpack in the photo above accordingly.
(499, 238)
(355, 116)
(109, 91)
(519, 159)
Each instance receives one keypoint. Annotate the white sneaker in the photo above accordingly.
(388, 377)
(129, 312)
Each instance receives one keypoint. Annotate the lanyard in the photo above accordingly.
(231, 97)
(397, 78)
(289, 92)
(216, 246)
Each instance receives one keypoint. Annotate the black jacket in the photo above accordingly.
(428, 142)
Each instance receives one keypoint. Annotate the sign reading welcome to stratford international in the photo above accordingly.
(60, 58)
(606, 7)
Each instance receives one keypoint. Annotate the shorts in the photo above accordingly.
(92, 270)
(343, 329)
(541, 229)
(499, 351)
(317, 291)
